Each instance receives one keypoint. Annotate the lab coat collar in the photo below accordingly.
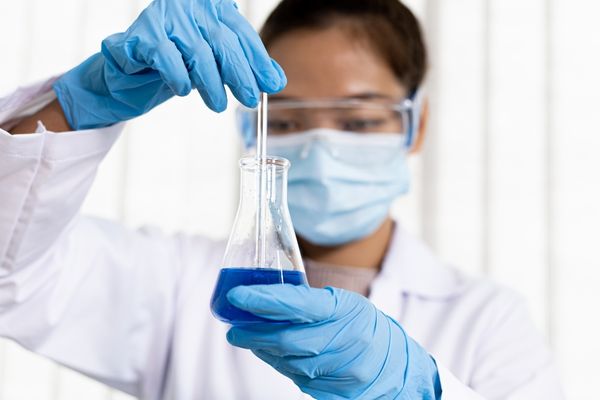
(411, 267)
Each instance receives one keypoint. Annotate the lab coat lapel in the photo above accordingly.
(410, 268)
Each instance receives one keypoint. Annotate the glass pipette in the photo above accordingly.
(261, 157)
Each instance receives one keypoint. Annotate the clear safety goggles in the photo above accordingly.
(366, 149)
(286, 116)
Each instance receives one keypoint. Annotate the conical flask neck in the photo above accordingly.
(270, 214)
(274, 184)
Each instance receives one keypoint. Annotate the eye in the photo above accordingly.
(362, 124)
(282, 126)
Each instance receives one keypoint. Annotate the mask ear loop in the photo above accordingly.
(305, 150)
(416, 97)
(307, 147)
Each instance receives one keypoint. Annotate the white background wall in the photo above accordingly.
(508, 184)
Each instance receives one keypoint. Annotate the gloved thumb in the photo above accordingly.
(297, 304)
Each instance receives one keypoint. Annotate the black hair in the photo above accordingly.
(389, 27)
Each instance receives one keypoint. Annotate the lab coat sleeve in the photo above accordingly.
(86, 293)
(513, 363)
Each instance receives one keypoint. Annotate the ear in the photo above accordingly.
(422, 128)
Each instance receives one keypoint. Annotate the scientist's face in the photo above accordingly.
(331, 63)
(327, 65)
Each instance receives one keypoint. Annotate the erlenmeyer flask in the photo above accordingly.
(244, 263)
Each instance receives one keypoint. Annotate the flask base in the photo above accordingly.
(229, 278)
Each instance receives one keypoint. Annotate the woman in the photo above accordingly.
(130, 308)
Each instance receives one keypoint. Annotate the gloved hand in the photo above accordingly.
(172, 47)
(334, 344)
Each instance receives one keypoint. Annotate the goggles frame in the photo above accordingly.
(411, 106)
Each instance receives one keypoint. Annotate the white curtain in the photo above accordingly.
(507, 186)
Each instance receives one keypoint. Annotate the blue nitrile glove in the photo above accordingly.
(335, 344)
(172, 47)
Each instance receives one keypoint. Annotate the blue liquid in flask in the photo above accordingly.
(232, 277)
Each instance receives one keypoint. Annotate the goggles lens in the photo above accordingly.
(349, 148)
(348, 115)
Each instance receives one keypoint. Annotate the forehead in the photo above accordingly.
(332, 63)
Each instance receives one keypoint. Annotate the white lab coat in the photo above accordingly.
(131, 308)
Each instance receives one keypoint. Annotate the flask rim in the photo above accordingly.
(250, 163)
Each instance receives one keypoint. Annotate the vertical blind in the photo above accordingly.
(507, 185)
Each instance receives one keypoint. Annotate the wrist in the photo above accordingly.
(99, 93)
(421, 375)
(52, 117)
(82, 95)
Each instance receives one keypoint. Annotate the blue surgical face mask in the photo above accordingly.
(341, 184)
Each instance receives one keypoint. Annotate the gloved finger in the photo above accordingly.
(303, 371)
(119, 51)
(280, 72)
(289, 339)
(202, 67)
(165, 58)
(268, 73)
(310, 366)
(290, 365)
(278, 364)
(235, 70)
(280, 339)
(298, 304)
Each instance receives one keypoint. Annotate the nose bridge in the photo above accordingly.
(321, 118)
